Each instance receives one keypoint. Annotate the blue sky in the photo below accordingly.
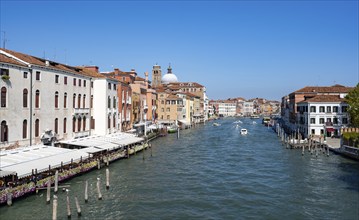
(235, 48)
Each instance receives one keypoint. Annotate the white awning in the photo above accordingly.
(184, 122)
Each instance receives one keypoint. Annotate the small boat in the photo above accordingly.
(216, 124)
(244, 131)
(254, 116)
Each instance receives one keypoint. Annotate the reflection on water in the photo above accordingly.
(212, 172)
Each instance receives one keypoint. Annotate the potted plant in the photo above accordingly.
(5, 77)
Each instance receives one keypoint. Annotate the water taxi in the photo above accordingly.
(244, 131)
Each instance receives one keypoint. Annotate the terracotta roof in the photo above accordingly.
(6, 59)
(91, 73)
(186, 84)
(139, 78)
(324, 89)
(324, 98)
(171, 96)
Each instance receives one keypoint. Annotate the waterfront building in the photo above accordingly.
(39, 95)
(322, 115)
(289, 110)
(248, 108)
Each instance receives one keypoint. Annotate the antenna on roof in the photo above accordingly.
(4, 39)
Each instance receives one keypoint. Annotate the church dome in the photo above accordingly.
(169, 77)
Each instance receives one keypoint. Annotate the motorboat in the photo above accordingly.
(216, 124)
(244, 131)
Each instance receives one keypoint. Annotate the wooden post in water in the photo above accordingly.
(56, 181)
(128, 151)
(98, 189)
(328, 150)
(303, 150)
(107, 161)
(68, 204)
(9, 198)
(107, 178)
(98, 164)
(54, 208)
(77, 206)
(178, 133)
(48, 192)
(86, 192)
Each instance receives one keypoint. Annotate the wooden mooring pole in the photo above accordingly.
(77, 206)
(108, 178)
(86, 192)
(68, 204)
(48, 193)
(56, 181)
(54, 208)
(98, 189)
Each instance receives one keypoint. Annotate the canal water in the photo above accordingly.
(212, 172)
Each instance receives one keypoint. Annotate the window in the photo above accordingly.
(56, 99)
(345, 120)
(65, 122)
(114, 86)
(65, 80)
(114, 121)
(335, 108)
(56, 125)
(4, 133)
(74, 101)
(74, 81)
(79, 122)
(92, 124)
(91, 101)
(329, 109)
(91, 84)
(38, 75)
(168, 117)
(24, 98)
(74, 124)
(56, 78)
(3, 97)
(108, 122)
(84, 83)
(79, 101)
(24, 129)
(114, 102)
(168, 109)
(84, 124)
(344, 109)
(109, 86)
(313, 109)
(313, 131)
(321, 120)
(162, 109)
(108, 102)
(37, 99)
(335, 120)
(4, 72)
(312, 120)
(84, 101)
(79, 82)
(162, 102)
(329, 120)
(65, 100)
(321, 109)
(25, 75)
(37, 128)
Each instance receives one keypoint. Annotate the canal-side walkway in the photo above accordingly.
(26, 169)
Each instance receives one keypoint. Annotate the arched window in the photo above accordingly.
(91, 102)
(24, 98)
(65, 100)
(37, 128)
(74, 101)
(84, 101)
(84, 123)
(108, 122)
(3, 97)
(73, 124)
(114, 121)
(37, 99)
(56, 125)
(65, 124)
(4, 132)
(108, 102)
(79, 101)
(79, 124)
(114, 102)
(24, 129)
(56, 99)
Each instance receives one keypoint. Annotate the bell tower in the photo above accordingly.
(156, 76)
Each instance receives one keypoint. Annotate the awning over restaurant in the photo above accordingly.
(330, 129)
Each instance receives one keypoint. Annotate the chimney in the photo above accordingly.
(117, 71)
(92, 68)
(146, 79)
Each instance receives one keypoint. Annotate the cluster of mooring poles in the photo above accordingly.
(295, 140)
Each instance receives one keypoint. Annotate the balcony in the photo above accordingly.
(81, 134)
(81, 111)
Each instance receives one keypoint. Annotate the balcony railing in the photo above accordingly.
(81, 134)
(81, 111)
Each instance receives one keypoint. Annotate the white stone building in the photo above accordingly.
(248, 108)
(39, 95)
(322, 115)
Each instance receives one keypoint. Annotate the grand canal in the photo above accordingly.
(212, 173)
